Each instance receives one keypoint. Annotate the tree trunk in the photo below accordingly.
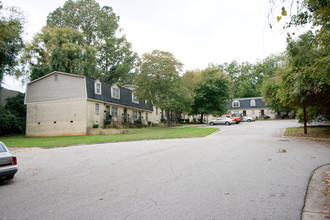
(168, 118)
(305, 121)
(202, 114)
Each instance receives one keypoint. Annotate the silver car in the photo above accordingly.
(248, 118)
(8, 163)
(222, 120)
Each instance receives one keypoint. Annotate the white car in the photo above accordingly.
(8, 163)
(248, 118)
(222, 120)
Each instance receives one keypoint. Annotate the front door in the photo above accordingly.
(244, 113)
(262, 113)
(107, 116)
(125, 115)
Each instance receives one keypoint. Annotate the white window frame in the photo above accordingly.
(98, 83)
(253, 102)
(234, 102)
(97, 108)
(114, 113)
(147, 117)
(113, 93)
(135, 98)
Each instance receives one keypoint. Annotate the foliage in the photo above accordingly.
(306, 83)
(248, 78)
(270, 92)
(11, 42)
(159, 82)
(311, 114)
(81, 38)
(212, 91)
(13, 116)
(60, 49)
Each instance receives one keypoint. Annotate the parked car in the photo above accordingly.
(236, 116)
(248, 118)
(8, 163)
(222, 120)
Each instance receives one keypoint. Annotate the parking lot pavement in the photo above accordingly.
(245, 172)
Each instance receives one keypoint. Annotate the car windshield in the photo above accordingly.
(2, 148)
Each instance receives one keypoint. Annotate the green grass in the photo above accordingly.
(315, 132)
(134, 135)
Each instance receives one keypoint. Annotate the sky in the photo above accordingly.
(196, 32)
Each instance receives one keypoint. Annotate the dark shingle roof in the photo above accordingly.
(245, 103)
(125, 95)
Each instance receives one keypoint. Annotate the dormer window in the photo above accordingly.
(115, 92)
(98, 87)
(135, 98)
(253, 102)
(235, 103)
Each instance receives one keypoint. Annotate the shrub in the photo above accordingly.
(95, 125)
(187, 120)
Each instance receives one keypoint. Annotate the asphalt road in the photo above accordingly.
(240, 173)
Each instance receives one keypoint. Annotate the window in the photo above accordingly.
(98, 87)
(97, 109)
(135, 98)
(235, 104)
(114, 111)
(253, 112)
(269, 111)
(115, 92)
(134, 114)
(253, 102)
(156, 111)
(55, 77)
(147, 119)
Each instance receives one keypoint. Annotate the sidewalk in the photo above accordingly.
(317, 200)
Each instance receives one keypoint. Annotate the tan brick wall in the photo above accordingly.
(56, 119)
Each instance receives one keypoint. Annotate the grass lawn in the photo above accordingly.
(314, 131)
(135, 134)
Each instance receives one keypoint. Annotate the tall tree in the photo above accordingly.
(212, 91)
(11, 42)
(306, 84)
(101, 30)
(60, 49)
(159, 82)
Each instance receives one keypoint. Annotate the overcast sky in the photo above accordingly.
(196, 32)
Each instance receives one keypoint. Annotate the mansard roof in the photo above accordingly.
(245, 103)
(125, 95)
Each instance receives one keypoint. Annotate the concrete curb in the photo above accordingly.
(317, 199)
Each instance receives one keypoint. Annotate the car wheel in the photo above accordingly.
(227, 123)
(249, 120)
(211, 123)
(237, 122)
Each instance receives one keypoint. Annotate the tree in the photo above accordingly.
(271, 94)
(100, 29)
(306, 83)
(11, 42)
(159, 82)
(13, 116)
(212, 91)
(60, 49)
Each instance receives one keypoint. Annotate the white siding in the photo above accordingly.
(51, 88)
